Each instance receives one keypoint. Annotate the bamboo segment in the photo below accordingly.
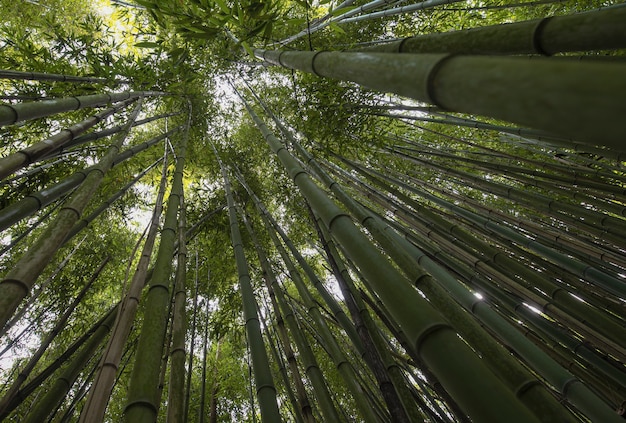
(10, 114)
(595, 30)
(544, 93)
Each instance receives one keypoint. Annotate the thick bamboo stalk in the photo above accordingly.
(552, 298)
(34, 153)
(392, 388)
(455, 365)
(544, 94)
(143, 397)
(595, 30)
(265, 390)
(17, 283)
(411, 260)
(10, 114)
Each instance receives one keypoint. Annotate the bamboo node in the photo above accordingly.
(429, 88)
(536, 36)
(427, 331)
(313, 62)
(524, 387)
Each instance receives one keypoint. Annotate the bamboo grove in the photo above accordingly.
(404, 212)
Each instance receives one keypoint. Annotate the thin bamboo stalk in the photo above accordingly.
(10, 114)
(58, 327)
(309, 362)
(18, 282)
(269, 277)
(265, 390)
(34, 153)
(66, 379)
(38, 380)
(36, 201)
(455, 365)
(40, 76)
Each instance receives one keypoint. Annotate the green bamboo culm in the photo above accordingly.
(595, 30)
(176, 390)
(10, 114)
(103, 381)
(18, 281)
(482, 396)
(143, 394)
(85, 221)
(411, 260)
(36, 201)
(92, 136)
(304, 412)
(545, 93)
(266, 392)
(42, 76)
(305, 353)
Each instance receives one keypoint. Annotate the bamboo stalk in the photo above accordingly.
(594, 30)
(544, 94)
